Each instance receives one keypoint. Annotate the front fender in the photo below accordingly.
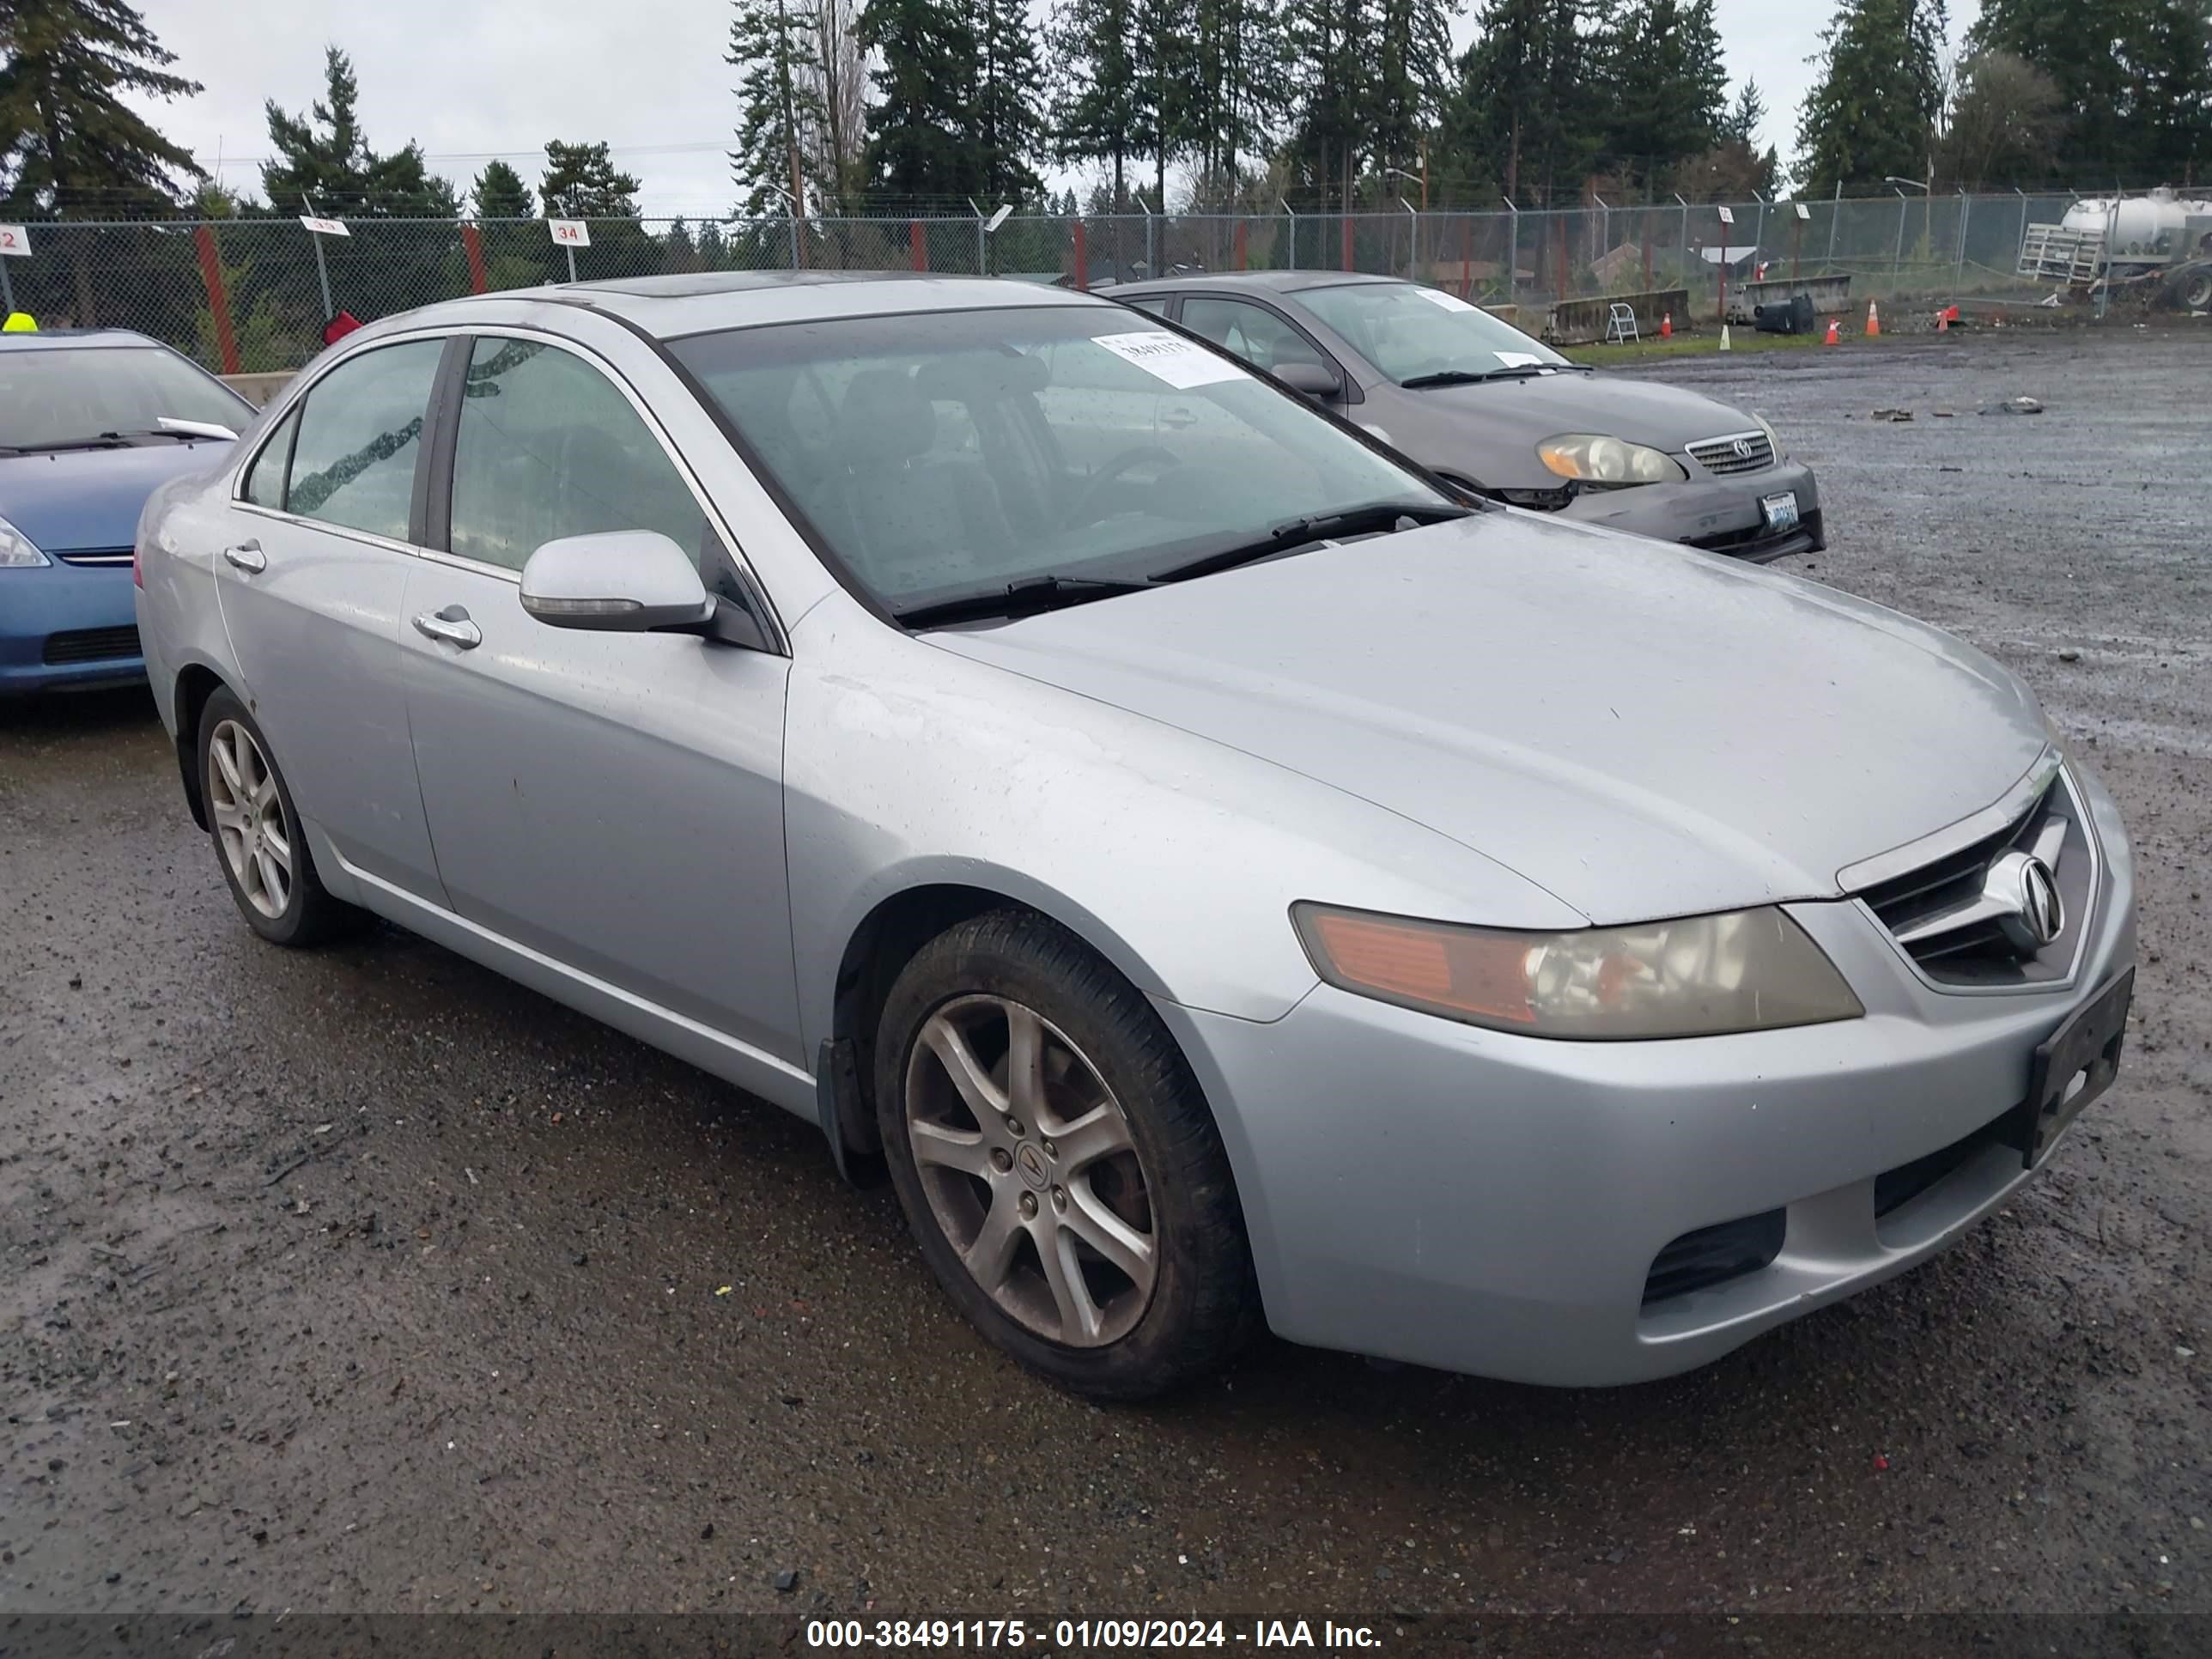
(1176, 858)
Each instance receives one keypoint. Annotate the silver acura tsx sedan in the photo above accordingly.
(1223, 873)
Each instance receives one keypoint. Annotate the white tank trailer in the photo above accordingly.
(2161, 238)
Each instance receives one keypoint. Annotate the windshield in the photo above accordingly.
(943, 455)
(51, 398)
(1410, 332)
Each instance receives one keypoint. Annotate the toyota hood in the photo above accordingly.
(1510, 418)
(72, 499)
(1642, 730)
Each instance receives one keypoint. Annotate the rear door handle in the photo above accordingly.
(452, 625)
(247, 557)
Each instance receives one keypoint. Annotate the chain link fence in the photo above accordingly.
(253, 295)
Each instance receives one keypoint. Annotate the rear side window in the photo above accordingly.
(1157, 307)
(360, 434)
(547, 447)
(264, 484)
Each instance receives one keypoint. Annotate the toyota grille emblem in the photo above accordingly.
(1742, 447)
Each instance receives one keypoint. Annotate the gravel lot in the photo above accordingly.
(366, 1281)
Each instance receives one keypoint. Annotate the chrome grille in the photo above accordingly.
(1734, 452)
(1939, 914)
(96, 556)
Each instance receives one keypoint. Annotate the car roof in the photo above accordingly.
(1242, 282)
(670, 307)
(67, 339)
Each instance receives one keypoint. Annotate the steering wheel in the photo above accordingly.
(1085, 511)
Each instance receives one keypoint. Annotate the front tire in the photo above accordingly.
(255, 830)
(1057, 1163)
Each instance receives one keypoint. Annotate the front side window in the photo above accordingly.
(1252, 332)
(1412, 333)
(360, 434)
(943, 455)
(547, 447)
(85, 397)
(264, 484)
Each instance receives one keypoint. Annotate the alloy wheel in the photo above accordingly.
(249, 818)
(1030, 1168)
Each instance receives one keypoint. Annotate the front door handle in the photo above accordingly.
(247, 557)
(452, 625)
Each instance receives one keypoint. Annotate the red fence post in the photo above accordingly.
(1347, 222)
(226, 341)
(1082, 256)
(919, 243)
(474, 245)
(1240, 244)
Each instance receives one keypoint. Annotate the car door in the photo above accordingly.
(613, 801)
(311, 580)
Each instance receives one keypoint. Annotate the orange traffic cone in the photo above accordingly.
(1666, 325)
(1830, 340)
(1874, 321)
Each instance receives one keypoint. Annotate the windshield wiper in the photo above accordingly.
(102, 441)
(1370, 519)
(1472, 376)
(1025, 597)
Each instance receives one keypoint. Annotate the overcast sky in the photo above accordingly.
(471, 78)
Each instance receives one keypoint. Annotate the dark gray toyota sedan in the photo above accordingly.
(1469, 396)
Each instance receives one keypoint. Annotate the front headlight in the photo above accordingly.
(1773, 438)
(1608, 463)
(16, 550)
(1745, 971)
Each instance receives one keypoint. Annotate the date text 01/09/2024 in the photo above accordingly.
(1083, 1635)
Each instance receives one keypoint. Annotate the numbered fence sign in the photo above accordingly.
(1728, 216)
(14, 242)
(571, 232)
(326, 227)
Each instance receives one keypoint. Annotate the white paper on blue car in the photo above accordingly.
(1181, 363)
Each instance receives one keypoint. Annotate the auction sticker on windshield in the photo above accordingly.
(1181, 363)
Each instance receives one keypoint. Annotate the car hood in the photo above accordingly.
(1519, 413)
(1642, 731)
(83, 499)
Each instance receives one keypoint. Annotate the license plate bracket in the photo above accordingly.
(2086, 1047)
(1780, 511)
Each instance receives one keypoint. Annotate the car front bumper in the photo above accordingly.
(1421, 1190)
(1719, 514)
(66, 626)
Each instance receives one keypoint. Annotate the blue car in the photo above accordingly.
(91, 420)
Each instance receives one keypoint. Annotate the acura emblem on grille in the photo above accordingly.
(2022, 889)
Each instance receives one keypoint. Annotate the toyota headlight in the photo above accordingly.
(1773, 438)
(1607, 463)
(17, 550)
(1744, 970)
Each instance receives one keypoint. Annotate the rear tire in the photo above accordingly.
(256, 835)
(1057, 1163)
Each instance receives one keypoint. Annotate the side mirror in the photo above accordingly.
(1310, 380)
(624, 581)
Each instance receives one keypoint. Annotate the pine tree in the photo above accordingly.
(580, 182)
(1099, 103)
(780, 114)
(1411, 59)
(925, 71)
(69, 140)
(499, 193)
(1238, 91)
(1529, 100)
(1872, 111)
(1006, 112)
(1666, 87)
(838, 160)
(1327, 40)
(1745, 115)
(323, 157)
